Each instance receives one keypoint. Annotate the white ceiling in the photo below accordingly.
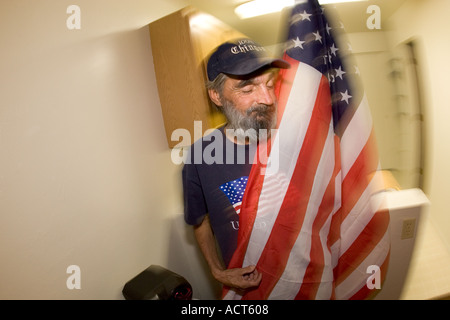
(268, 30)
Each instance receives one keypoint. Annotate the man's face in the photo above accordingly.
(250, 103)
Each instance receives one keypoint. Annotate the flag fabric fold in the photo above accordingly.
(308, 220)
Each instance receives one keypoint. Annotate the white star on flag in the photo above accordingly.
(339, 72)
(317, 36)
(298, 43)
(345, 96)
(305, 15)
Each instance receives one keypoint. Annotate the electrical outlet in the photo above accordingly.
(409, 225)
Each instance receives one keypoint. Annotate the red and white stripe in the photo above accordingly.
(237, 207)
(305, 224)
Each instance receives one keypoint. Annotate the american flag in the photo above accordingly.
(234, 190)
(323, 228)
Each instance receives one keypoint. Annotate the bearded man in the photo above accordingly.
(242, 77)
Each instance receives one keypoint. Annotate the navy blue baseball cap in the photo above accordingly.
(241, 57)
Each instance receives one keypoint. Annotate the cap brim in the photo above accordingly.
(252, 66)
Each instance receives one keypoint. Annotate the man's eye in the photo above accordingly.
(247, 89)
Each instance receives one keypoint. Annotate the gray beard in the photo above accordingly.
(254, 124)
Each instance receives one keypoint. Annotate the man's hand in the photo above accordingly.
(239, 278)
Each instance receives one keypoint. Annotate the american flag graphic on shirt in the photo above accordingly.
(234, 190)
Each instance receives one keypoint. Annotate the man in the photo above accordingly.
(242, 79)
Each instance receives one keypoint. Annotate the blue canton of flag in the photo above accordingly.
(311, 41)
(234, 190)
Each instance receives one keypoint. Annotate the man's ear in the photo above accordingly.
(215, 97)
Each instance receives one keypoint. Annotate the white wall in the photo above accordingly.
(428, 23)
(85, 172)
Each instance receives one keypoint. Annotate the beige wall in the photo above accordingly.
(388, 80)
(371, 53)
(85, 172)
(428, 23)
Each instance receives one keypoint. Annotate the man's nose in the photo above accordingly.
(265, 95)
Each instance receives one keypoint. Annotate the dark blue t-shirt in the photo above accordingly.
(214, 180)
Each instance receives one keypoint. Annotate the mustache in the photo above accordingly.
(259, 108)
